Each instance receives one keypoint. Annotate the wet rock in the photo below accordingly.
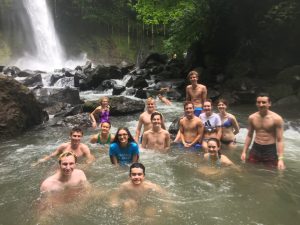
(49, 96)
(154, 59)
(119, 105)
(82, 120)
(19, 109)
(101, 73)
(33, 80)
(118, 89)
(108, 84)
(141, 93)
(174, 127)
(11, 71)
(139, 82)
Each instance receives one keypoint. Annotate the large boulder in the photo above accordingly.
(119, 105)
(101, 73)
(19, 109)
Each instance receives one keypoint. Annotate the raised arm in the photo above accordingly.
(94, 139)
(57, 151)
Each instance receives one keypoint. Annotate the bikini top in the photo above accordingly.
(227, 123)
(107, 142)
(215, 162)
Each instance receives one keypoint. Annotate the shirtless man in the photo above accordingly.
(135, 189)
(74, 146)
(212, 123)
(268, 142)
(145, 119)
(195, 92)
(190, 127)
(66, 176)
(156, 138)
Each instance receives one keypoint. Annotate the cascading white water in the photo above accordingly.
(49, 52)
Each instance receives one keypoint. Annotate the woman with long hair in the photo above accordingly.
(123, 150)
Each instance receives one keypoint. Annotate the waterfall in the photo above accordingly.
(48, 53)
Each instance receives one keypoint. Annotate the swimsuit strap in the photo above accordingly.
(108, 139)
(217, 163)
(99, 140)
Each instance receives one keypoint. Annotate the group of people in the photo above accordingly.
(199, 128)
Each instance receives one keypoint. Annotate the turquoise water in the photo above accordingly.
(250, 195)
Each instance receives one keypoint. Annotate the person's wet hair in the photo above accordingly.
(107, 123)
(130, 138)
(76, 129)
(263, 94)
(193, 72)
(215, 140)
(187, 103)
(208, 100)
(137, 165)
(155, 114)
(65, 154)
(223, 100)
(103, 98)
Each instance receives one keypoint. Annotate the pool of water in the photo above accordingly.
(251, 195)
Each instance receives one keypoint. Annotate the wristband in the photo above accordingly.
(280, 158)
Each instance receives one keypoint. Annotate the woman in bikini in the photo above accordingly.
(215, 159)
(230, 126)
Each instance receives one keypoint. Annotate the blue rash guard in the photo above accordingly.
(124, 155)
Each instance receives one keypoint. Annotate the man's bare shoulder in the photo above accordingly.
(276, 116)
(151, 186)
(84, 147)
(79, 174)
(201, 86)
(50, 184)
(253, 116)
(126, 185)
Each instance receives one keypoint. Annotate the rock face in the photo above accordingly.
(119, 105)
(19, 109)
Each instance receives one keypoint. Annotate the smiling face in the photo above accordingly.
(263, 103)
(156, 121)
(67, 165)
(123, 137)
(137, 176)
(104, 102)
(213, 147)
(193, 78)
(207, 107)
(150, 105)
(222, 107)
(189, 110)
(105, 127)
(76, 138)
